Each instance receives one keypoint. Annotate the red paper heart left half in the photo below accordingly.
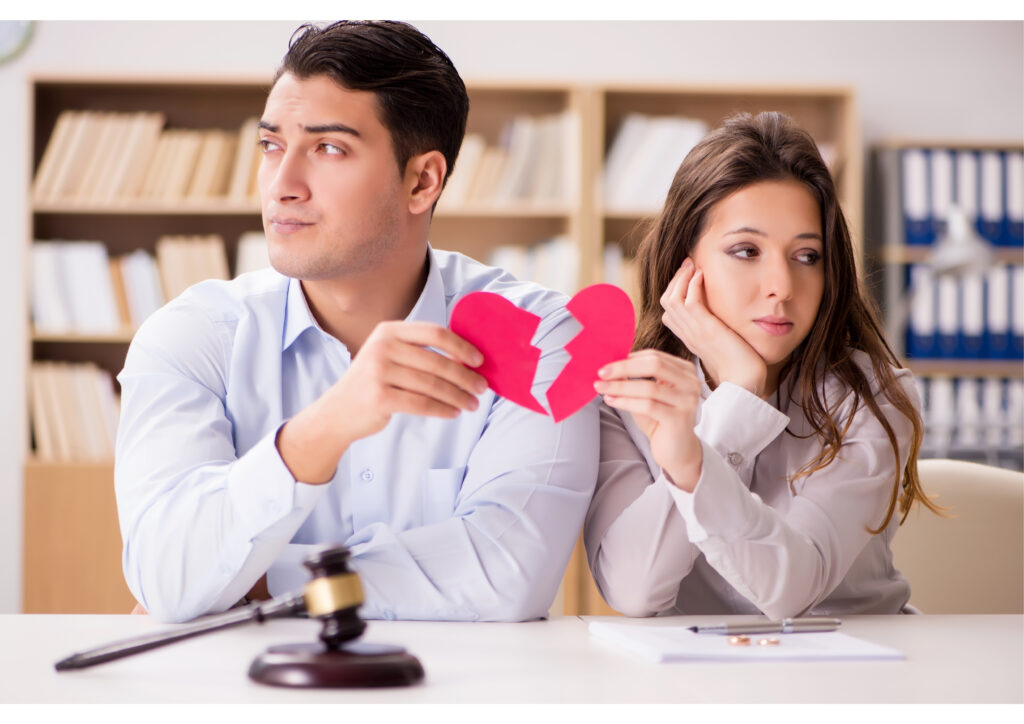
(503, 332)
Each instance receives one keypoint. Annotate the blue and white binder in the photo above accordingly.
(992, 217)
(998, 344)
(921, 339)
(947, 322)
(1015, 198)
(917, 226)
(941, 165)
(968, 413)
(972, 315)
(967, 186)
(993, 409)
(1017, 311)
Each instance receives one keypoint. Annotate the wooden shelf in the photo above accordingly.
(965, 368)
(123, 337)
(212, 207)
(895, 254)
(592, 112)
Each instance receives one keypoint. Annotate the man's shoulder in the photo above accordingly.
(463, 275)
(216, 306)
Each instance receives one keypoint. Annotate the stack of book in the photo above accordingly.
(622, 271)
(78, 289)
(74, 412)
(106, 158)
(534, 164)
(643, 159)
(552, 263)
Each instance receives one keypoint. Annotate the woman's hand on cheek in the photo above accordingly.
(662, 393)
(724, 355)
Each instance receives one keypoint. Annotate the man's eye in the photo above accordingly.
(332, 150)
(267, 145)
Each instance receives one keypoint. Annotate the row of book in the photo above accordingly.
(74, 411)
(78, 288)
(535, 162)
(645, 154)
(972, 315)
(111, 158)
(967, 412)
(988, 185)
(552, 263)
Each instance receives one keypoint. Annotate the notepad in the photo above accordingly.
(676, 643)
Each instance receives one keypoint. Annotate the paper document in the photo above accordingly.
(676, 643)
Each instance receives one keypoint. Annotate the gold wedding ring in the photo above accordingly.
(739, 641)
(768, 642)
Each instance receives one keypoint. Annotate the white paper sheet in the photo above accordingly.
(676, 643)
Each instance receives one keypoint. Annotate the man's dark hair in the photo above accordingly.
(422, 100)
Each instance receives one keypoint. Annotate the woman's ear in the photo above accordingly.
(424, 178)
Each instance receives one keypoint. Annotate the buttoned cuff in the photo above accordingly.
(716, 507)
(739, 425)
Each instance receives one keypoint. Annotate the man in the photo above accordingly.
(325, 401)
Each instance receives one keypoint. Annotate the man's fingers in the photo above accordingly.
(437, 365)
(426, 384)
(425, 334)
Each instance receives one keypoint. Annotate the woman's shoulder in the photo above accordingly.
(837, 387)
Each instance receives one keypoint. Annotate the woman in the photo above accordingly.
(765, 435)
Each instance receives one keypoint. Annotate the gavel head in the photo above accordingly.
(333, 596)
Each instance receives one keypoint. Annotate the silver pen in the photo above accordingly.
(786, 625)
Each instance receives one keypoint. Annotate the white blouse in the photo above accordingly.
(744, 541)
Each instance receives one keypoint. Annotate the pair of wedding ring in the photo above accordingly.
(745, 641)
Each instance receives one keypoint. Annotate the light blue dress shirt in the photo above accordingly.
(467, 519)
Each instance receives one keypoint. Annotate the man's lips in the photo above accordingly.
(286, 225)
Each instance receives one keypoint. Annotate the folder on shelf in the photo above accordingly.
(921, 328)
(942, 162)
(1017, 311)
(992, 209)
(947, 322)
(1015, 198)
(998, 344)
(917, 227)
(972, 315)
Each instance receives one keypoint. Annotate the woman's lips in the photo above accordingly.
(775, 326)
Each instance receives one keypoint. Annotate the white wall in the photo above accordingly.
(936, 79)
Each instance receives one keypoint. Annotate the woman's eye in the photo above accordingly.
(809, 257)
(744, 252)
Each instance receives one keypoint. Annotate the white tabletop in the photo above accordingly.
(948, 659)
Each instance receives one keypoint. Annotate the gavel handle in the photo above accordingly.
(281, 607)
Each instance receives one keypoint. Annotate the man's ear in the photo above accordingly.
(424, 177)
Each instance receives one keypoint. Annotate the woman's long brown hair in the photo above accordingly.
(747, 149)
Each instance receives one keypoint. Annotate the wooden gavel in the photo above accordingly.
(332, 596)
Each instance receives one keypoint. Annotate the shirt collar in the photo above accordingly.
(430, 307)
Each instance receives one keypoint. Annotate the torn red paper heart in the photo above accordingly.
(503, 332)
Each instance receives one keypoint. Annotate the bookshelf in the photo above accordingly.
(958, 332)
(488, 212)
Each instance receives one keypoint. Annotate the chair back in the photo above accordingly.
(972, 562)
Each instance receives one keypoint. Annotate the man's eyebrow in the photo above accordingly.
(324, 128)
(758, 232)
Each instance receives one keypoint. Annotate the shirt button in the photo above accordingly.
(735, 459)
(367, 475)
